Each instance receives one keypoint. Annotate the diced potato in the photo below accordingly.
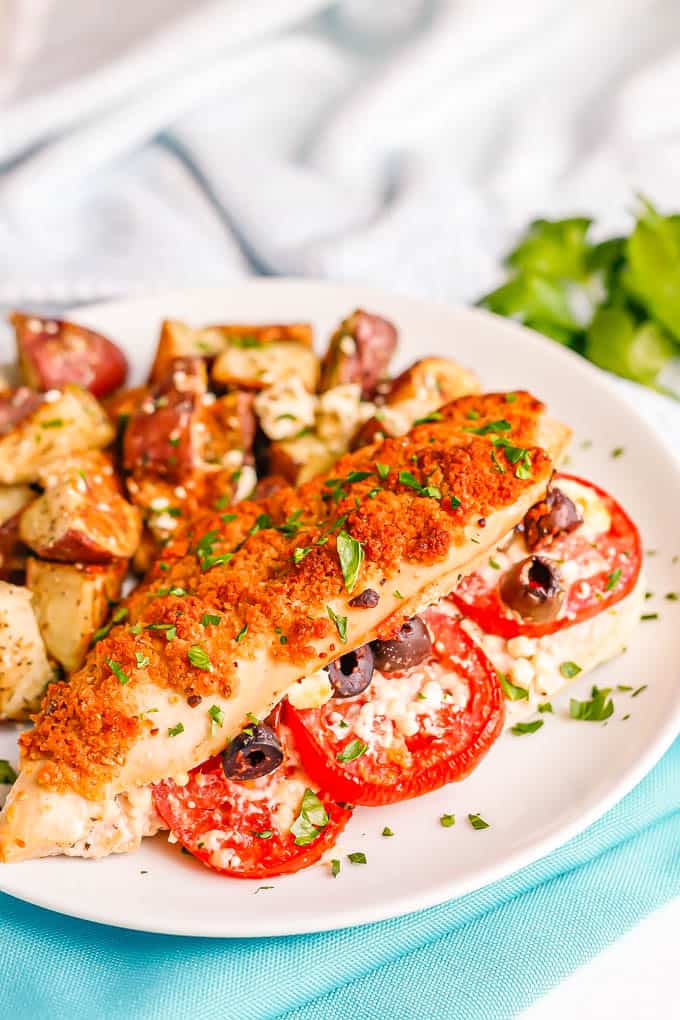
(58, 428)
(298, 460)
(145, 553)
(13, 499)
(81, 516)
(249, 335)
(256, 365)
(24, 666)
(359, 352)
(415, 394)
(177, 340)
(229, 430)
(71, 601)
(122, 405)
(54, 352)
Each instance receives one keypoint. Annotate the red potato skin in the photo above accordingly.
(54, 352)
(158, 437)
(16, 405)
(375, 342)
(11, 548)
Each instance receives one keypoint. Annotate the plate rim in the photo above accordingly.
(443, 891)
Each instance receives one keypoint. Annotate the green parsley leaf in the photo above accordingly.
(310, 821)
(526, 727)
(446, 821)
(300, 553)
(639, 691)
(512, 692)
(351, 556)
(383, 470)
(118, 671)
(52, 423)
(264, 834)
(223, 501)
(354, 749)
(169, 629)
(502, 425)
(199, 658)
(387, 831)
(339, 621)
(216, 716)
(242, 633)
(613, 579)
(434, 416)
(569, 670)
(358, 857)
(624, 688)
(510, 398)
(599, 708)
(649, 616)
(142, 660)
(210, 620)
(335, 867)
(494, 564)
(7, 773)
(174, 731)
(291, 526)
(545, 706)
(477, 822)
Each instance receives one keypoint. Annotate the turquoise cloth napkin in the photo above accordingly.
(482, 957)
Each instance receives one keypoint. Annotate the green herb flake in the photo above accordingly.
(624, 688)
(520, 728)
(569, 670)
(358, 857)
(262, 888)
(502, 425)
(339, 621)
(510, 398)
(672, 596)
(210, 620)
(639, 690)
(310, 821)
(382, 470)
(351, 556)
(649, 616)
(354, 749)
(387, 831)
(434, 416)
(613, 579)
(242, 633)
(118, 671)
(263, 834)
(494, 564)
(599, 708)
(512, 692)
(446, 821)
(142, 660)
(52, 423)
(300, 553)
(617, 452)
(199, 658)
(397, 594)
(477, 822)
(174, 731)
(545, 706)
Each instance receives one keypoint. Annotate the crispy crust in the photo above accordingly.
(269, 605)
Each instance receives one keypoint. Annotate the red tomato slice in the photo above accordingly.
(620, 549)
(234, 828)
(450, 740)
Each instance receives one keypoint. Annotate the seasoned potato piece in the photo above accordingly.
(13, 499)
(359, 352)
(53, 429)
(145, 553)
(53, 352)
(248, 363)
(249, 335)
(122, 405)
(415, 394)
(24, 666)
(298, 460)
(71, 601)
(81, 516)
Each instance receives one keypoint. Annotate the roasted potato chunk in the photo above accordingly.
(81, 516)
(71, 601)
(52, 430)
(159, 438)
(53, 352)
(359, 352)
(251, 364)
(298, 460)
(13, 499)
(415, 394)
(24, 666)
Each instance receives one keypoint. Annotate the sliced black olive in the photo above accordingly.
(533, 589)
(351, 673)
(410, 647)
(553, 516)
(255, 752)
(368, 599)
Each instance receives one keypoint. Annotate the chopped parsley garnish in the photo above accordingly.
(409, 479)
(617, 452)
(517, 455)
(454, 501)
(169, 629)
(672, 596)
(199, 658)
(210, 620)
(119, 614)
(228, 518)
(472, 414)
(300, 552)
(353, 750)
(262, 522)
(336, 486)
(310, 821)
(510, 398)
(624, 688)
(613, 579)
(569, 670)
(242, 633)
(142, 660)
(335, 867)
(545, 706)
(502, 425)
(649, 616)
(7, 773)
(351, 556)
(477, 822)
(358, 857)
(339, 621)
(223, 501)
(136, 628)
(118, 671)
(434, 416)
(208, 562)
(496, 463)
(292, 525)
(494, 564)
(447, 821)
(599, 708)
(387, 831)
(382, 470)
(512, 692)
(52, 423)
(264, 834)
(397, 594)
(174, 731)
(639, 691)
(216, 716)
(260, 888)
(526, 727)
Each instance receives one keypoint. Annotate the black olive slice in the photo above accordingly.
(255, 752)
(408, 648)
(351, 673)
(533, 589)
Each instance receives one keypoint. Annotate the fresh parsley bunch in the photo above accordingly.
(617, 303)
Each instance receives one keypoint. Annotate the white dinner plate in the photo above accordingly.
(535, 791)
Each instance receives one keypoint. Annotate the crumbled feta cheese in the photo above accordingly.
(285, 408)
(521, 647)
(312, 691)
